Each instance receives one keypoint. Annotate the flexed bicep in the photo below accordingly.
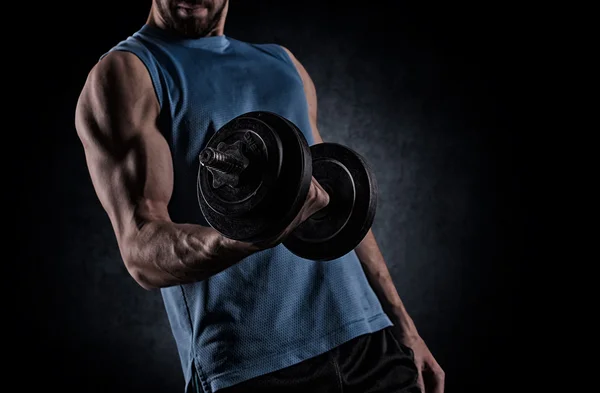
(128, 158)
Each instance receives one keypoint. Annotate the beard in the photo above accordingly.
(188, 24)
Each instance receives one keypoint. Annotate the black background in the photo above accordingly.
(434, 95)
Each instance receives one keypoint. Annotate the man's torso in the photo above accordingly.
(273, 309)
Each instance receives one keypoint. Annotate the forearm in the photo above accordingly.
(163, 254)
(379, 278)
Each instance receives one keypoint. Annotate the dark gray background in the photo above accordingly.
(431, 94)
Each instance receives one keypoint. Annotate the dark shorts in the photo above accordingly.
(371, 363)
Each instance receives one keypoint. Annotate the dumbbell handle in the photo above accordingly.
(215, 159)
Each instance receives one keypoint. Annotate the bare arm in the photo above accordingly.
(311, 96)
(431, 374)
(131, 169)
(368, 251)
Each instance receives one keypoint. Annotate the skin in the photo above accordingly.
(431, 376)
(130, 165)
(190, 19)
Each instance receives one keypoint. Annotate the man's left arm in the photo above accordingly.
(431, 375)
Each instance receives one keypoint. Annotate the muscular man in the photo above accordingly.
(245, 317)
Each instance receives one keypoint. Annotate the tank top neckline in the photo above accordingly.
(213, 42)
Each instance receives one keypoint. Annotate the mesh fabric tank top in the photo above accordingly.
(273, 309)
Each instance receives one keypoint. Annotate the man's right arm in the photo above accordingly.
(131, 169)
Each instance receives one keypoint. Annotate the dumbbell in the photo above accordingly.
(254, 176)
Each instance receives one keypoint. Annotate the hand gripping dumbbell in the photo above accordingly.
(254, 177)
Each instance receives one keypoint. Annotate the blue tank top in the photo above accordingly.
(272, 309)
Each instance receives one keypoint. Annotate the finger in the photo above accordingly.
(319, 189)
(316, 183)
(433, 379)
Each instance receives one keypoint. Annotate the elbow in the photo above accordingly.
(135, 263)
(139, 271)
(141, 277)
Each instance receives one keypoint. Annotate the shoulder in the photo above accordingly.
(118, 69)
(289, 53)
(118, 89)
(306, 79)
(296, 62)
(275, 50)
(119, 76)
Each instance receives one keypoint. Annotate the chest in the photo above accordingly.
(206, 93)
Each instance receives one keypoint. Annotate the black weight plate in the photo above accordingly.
(341, 226)
(256, 182)
(282, 201)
